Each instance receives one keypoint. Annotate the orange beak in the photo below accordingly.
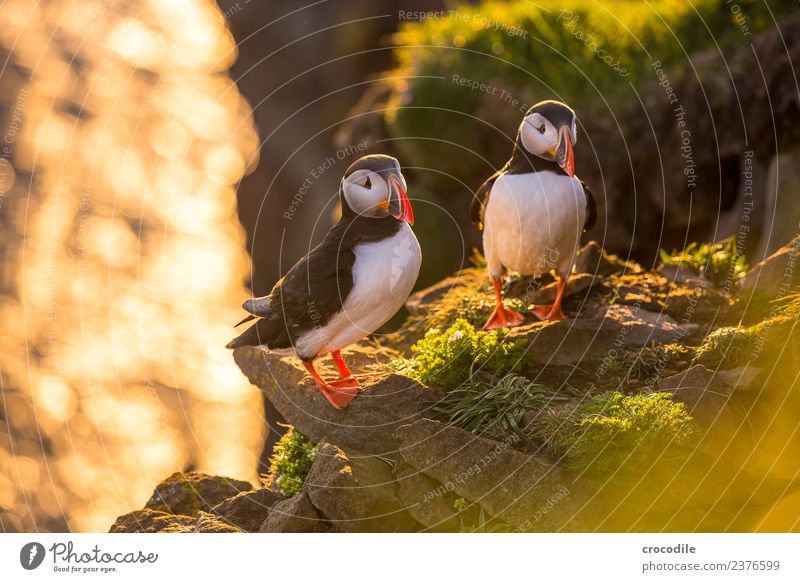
(399, 204)
(564, 154)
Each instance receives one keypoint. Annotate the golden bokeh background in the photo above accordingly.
(123, 261)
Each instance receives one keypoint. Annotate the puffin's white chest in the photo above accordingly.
(384, 274)
(533, 222)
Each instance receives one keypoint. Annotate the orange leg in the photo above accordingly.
(553, 312)
(339, 392)
(344, 371)
(341, 365)
(502, 316)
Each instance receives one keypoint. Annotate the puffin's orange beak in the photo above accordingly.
(399, 204)
(564, 152)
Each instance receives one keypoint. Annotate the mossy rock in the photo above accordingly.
(189, 493)
(151, 521)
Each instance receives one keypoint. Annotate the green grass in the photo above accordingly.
(719, 263)
(451, 357)
(613, 434)
(494, 408)
(291, 460)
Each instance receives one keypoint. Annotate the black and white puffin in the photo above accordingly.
(350, 284)
(534, 209)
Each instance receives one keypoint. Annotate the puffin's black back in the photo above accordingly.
(314, 289)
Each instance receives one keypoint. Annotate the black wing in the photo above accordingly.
(481, 198)
(591, 207)
(307, 297)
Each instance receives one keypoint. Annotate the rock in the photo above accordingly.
(528, 492)
(210, 523)
(682, 276)
(188, 493)
(426, 500)
(420, 302)
(592, 259)
(151, 521)
(355, 493)
(705, 392)
(366, 425)
(294, 515)
(247, 510)
(782, 192)
(697, 305)
(581, 341)
(776, 275)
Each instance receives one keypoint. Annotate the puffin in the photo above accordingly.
(347, 286)
(533, 211)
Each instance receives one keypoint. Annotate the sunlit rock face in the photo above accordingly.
(122, 263)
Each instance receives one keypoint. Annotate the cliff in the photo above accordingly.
(664, 403)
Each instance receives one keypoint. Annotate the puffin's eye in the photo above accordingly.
(367, 183)
(541, 128)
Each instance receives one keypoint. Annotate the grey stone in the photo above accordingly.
(188, 493)
(592, 259)
(587, 341)
(366, 425)
(294, 515)
(428, 501)
(210, 523)
(706, 393)
(778, 274)
(528, 492)
(682, 276)
(355, 493)
(152, 521)
(247, 510)
(576, 284)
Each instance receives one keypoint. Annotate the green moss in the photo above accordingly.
(450, 358)
(719, 263)
(494, 408)
(616, 435)
(727, 347)
(732, 347)
(554, 54)
(291, 461)
(470, 303)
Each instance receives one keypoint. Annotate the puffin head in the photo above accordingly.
(548, 131)
(374, 187)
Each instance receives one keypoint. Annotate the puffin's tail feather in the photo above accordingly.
(258, 334)
(245, 320)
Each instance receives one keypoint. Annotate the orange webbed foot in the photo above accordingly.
(340, 393)
(549, 313)
(504, 317)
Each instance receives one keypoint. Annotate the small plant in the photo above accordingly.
(450, 358)
(291, 461)
(727, 347)
(471, 299)
(789, 306)
(616, 434)
(718, 262)
(612, 428)
(494, 408)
